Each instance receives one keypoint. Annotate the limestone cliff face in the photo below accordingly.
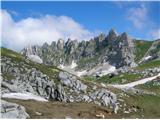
(116, 49)
(121, 50)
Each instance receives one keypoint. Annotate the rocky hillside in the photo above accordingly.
(21, 76)
(46, 89)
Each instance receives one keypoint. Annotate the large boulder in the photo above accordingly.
(71, 81)
(12, 111)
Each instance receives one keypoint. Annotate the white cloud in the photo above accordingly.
(138, 16)
(48, 28)
(155, 34)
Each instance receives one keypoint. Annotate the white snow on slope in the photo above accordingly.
(145, 58)
(23, 96)
(71, 69)
(35, 58)
(102, 69)
(80, 73)
(61, 66)
(111, 69)
(132, 84)
(148, 57)
(73, 65)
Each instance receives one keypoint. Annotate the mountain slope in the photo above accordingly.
(22, 76)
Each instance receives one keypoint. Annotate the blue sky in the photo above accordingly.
(139, 19)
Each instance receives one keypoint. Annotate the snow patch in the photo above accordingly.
(23, 96)
(35, 58)
(80, 73)
(61, 66)
(102, 69)
(148, 57)
(111, 69)
(73, 65)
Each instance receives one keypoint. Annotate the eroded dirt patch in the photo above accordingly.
(52, 109)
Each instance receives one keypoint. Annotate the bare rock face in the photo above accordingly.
(121, 51)
(112, 36)
(65, 87)
(12, 111)
(116, 49)
(99, 96)
(71, 81)
(60, 44)
(26, 80)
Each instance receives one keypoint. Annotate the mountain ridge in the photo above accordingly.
(116, 50)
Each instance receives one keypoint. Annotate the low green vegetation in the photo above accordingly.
(11, 54)
(122, 78)
(49, 70)
(150, 64)
(149, 105)
(89, 78)
(152, 86)
(141, 48)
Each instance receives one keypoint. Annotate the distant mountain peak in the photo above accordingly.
(112, 35)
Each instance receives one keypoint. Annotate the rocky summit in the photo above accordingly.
(77, 57)
(116, 49)
(108, 76)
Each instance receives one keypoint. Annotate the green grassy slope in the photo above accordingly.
(148, 103)
(141, 48)
(150, 64)
(121, 78)
(152, 86)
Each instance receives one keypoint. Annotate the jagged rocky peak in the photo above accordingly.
(70, 46)
(60, 44)
(127, 40)
(53, 44)
(101, 37)
(71, 42)
(30, 50)
(88, 54)
(112, 35)
(121, 51)
(45, 45)
(68, 41)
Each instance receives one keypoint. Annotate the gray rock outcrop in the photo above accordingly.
(12, 111)
(113, 48)
(65, 87)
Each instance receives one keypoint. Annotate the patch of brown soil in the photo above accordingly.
(61, 110)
